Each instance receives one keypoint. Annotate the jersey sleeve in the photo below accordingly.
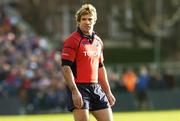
(69, 50)
(101, 58)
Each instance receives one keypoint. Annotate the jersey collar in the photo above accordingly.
(89, 37)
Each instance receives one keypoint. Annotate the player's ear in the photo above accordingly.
(78, 23)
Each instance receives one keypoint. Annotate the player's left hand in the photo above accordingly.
(111, 99)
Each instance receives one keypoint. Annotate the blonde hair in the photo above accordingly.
(84, 10)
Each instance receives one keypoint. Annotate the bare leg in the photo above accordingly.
(103, 115)
(81, 114)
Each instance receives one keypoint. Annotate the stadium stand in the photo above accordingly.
(164, 99)
(10, 106)
(124, 102)
(29, 69)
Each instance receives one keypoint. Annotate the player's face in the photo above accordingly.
(86, 24)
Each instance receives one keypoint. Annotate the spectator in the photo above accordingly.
(169, 79)
(142, 88)
(129, 79)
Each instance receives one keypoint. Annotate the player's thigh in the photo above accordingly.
(81, 114)
(103, 114)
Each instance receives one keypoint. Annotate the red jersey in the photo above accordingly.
(84, 55)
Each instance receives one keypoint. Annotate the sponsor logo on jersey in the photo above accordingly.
(91, 53)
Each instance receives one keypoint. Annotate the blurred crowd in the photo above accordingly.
(139, 81)
(28, 68)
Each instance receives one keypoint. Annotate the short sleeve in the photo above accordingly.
(101, 58)
(69, 50)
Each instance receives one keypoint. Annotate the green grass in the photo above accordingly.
(172, 115)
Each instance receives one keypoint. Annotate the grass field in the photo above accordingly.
(172, 115)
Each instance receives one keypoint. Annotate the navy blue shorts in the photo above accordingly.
(93, 96)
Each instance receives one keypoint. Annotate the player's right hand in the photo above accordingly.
(77, 99)
(111, 99)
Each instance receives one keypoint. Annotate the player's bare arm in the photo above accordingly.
(76, 96)
(103, 80)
